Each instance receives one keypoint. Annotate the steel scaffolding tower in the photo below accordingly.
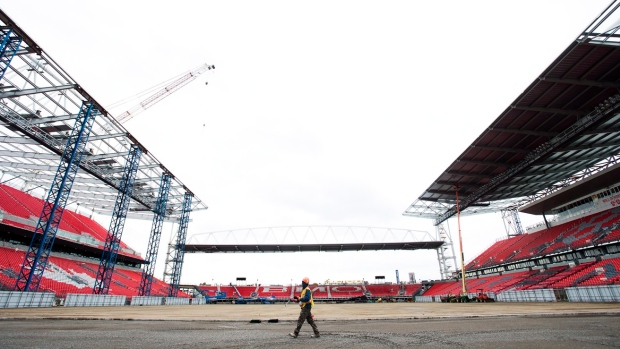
(445, 253)
(512, 221)
(153, 246)
(113, 240)
(8, 49)
(35, 260)
(176, 251)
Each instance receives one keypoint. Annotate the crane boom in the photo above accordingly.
(163, 93)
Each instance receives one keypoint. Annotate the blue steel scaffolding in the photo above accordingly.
(40, 247)
(113, 240)
(158, 219)
(179, 248)
(8, 49)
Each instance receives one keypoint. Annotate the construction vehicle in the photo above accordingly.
(482, 297)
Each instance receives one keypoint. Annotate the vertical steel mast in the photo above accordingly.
(35, 260)
(158, 219)
(174, 260)
(8, 48)
(113, 240)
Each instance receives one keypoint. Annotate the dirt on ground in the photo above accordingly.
(383, 325)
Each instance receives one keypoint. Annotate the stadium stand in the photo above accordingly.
(386, 290)
(72, 274)
(246, 291)
(66, 272)
(75, 273)
(278, 292)
(16, 204)
(597, 228)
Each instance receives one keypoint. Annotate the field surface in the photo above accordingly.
(387, 325)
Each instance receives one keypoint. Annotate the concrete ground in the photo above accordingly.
(378, 325)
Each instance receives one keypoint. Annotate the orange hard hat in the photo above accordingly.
(306, 280)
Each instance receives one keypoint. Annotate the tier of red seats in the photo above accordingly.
(411, 289)
(338, 291)
(276, 291)
(597, 228)
(66, 275)
(379, 290)
(229, 291)
(18, 203)
(246, 291)
(318, 291)
(210, 291)
(604, 272)
(24, 205)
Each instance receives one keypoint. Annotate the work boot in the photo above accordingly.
(316, 335)
(292, 334)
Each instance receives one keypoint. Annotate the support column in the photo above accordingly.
(512, 222)
(113, 240)
(158, 219)
(176, 251)
(40, 247)
(8, 48)
(445, 253)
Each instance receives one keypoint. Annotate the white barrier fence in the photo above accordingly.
(541, 295)
(18, 299)
(199, 301)
(594, 294)
(176, 301)
(424, 299)
(151, 300)
(147, 300)
(93, 300)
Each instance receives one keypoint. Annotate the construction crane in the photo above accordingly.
(163, 93)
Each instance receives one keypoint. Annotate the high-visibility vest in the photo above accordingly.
(303, 293)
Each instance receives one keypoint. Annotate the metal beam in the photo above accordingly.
(50, 119)
(598, 131)
(590, 146)
(441, 192)
(500, 149)
(104, 156)
(593, 83)
(469, 174)
(562, 160)
(54, 145)
(28, 166)
(550, 110)
(483, 163)
(93, 196)
(17, 140)
(540, 152)
(541, 172)
(108, 136)
(117, 169)
(32, 91)
(48, 177)
(524, 132)
(30, 155)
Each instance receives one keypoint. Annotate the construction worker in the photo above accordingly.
(306, 303)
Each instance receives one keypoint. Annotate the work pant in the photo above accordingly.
(306, 315)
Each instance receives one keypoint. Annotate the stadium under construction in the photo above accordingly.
(552, 152)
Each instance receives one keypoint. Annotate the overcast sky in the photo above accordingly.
(318, 113)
